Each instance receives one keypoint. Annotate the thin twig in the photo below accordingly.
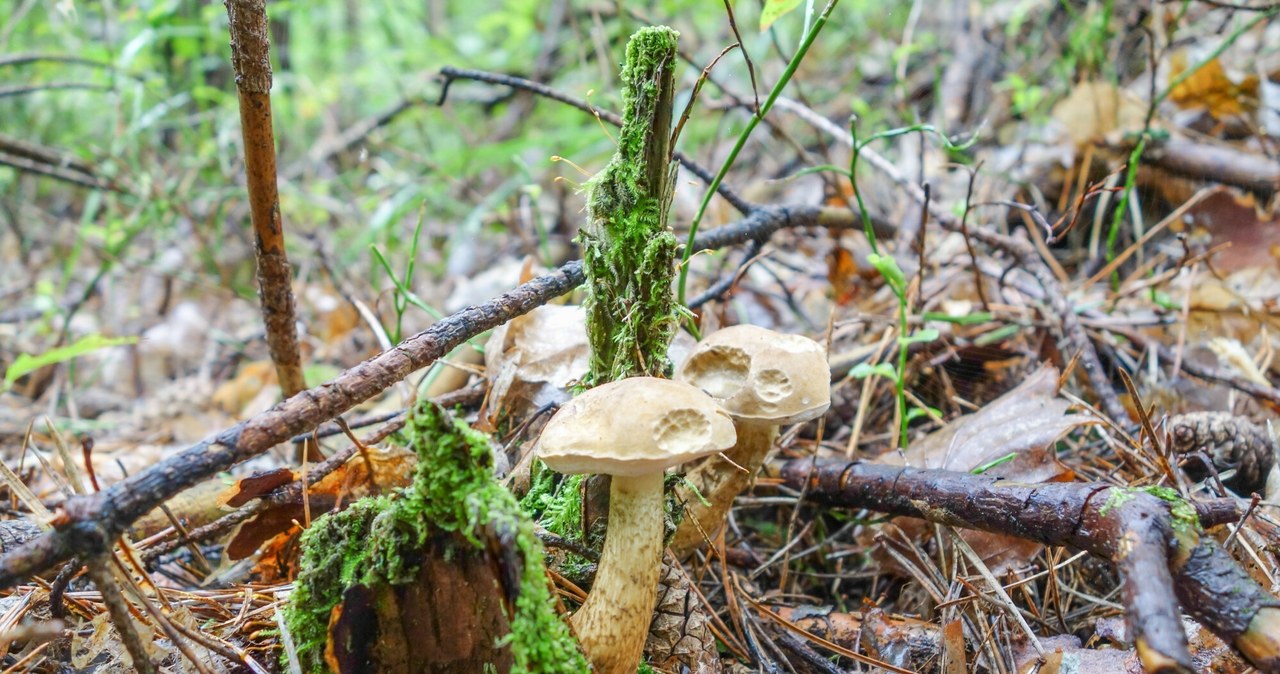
(449, 74)
(103, 578)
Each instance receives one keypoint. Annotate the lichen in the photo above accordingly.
(628, 251)
(374, 540)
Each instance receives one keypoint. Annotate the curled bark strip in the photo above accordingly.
(1154, 543)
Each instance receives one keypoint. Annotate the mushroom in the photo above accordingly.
(633, 430)
(763, 379)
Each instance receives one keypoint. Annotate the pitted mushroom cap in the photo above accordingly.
(762, 376)
(633, 427)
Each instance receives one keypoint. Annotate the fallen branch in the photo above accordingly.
(1154, 543)
(1224, 165)
(449, 74)
(85, 525)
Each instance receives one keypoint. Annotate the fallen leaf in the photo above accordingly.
(532, 360)
(1013, 437)
(256, 486)
(774, 10)
(392, 468)
(1210, 89)
(235, 395)
(1095, 109)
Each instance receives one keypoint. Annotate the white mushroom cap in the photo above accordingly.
(635, 426)
(762, 376)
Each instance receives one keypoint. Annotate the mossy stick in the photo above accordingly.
(627, 248)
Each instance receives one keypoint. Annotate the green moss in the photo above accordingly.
(1183, 515)
(628, 251)
(1116, 497)
(555, 502)
(1185, 519)
(375, 540)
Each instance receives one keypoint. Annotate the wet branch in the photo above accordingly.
(1155, 544)
(86, 524)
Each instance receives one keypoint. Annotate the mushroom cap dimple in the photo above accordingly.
(633, 427)
(759, 375)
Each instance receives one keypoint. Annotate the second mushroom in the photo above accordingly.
(763, 379)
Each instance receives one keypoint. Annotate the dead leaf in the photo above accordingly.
(531, 361)
(1022, 424)
(1064, 654)
(234, 396)
(1016, 432)
(392, 468)
(1095, 109)
(842, 273)
(1210, 89)
(256, 486)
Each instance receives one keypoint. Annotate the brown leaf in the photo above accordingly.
(392, 468)
(1023, 423)
(233, 396)
(902, 642)
(1211, 90)
(1019, 430)
(531, 360)
(256, 486)
(1095, 109)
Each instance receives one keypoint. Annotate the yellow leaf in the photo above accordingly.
(773, 10)
(1210, 89)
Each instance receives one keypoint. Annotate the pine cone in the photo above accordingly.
(1231, 442)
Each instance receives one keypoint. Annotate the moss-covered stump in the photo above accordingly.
(444, 576)
(628, 251)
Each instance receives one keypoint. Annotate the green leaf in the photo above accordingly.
(919, 337)
(994, 462)
(864, 370)
(967, 319)
(774, 10)
(997, 335)
(26, 363)
(888, 268)
(917, 412)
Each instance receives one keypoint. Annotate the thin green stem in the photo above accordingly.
(746, 133)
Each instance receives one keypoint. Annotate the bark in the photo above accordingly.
(251, 59)
(1155, 545)
(443, 621)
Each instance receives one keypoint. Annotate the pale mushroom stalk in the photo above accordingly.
(634, 430)
(613, 622)
(720, 479)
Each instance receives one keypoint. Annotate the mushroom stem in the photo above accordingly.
(720, 478)
(614, 621)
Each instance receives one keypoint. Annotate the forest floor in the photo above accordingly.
(1046, 252)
